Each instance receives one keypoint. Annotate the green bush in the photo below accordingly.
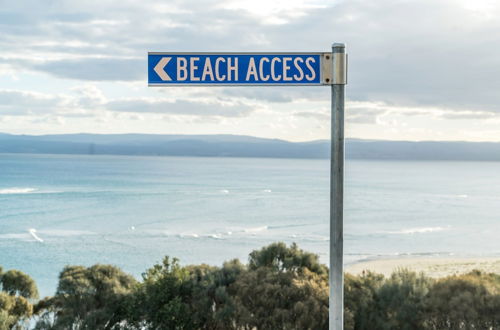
(282, 287)
(17, 292)
(87, 298)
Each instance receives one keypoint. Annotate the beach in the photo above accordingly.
(432, 267)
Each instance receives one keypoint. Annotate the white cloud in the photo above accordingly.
(410, 60)
(180, 107)
(88, 100)
(15, 102)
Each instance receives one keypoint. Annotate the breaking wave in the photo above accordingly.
(32, 232)
(255, 229)
(14, 190)
(421, 230)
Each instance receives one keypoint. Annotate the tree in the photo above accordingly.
(161, 301)
(211, 302)
(284, 288)
(281, 258)
(87, 298)
(470, 301)
(191, 297)
(360, 293)
(18, 291)
(398, 302)
(234, 297)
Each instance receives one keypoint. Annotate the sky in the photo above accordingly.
(418, 70)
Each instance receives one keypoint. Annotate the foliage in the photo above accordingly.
(192, 297)
(470, 301)
(213, 306)
(267, 299)
(87, 298)
(160, 302)
(279, 257)
(17, 292)
(360, 293)
(408, 300)
(400, 301)
(283, 287)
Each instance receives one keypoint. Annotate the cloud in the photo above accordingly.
(88, 100)
(260, 94)
(15, 102)
(316, 115)
(469, 115)
(89, 96)
(180, 107)
(370, 112)
(95, 69)
(406, 58)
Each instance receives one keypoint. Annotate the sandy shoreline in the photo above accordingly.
(433, 267)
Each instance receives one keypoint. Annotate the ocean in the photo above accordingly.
(58, 210)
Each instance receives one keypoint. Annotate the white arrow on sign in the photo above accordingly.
(160, 66)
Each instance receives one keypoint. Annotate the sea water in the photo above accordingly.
(132, 211)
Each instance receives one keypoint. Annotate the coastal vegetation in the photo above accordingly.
(281, 287)
(17, 295)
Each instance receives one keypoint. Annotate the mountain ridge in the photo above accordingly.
(227, 145)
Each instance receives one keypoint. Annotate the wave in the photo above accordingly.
(294, 225)
(421, 230)
(255, 229)
(197, 236)
(22, 236)
(452, 196)
(65, 232)
(424, 254)
(193, 235)
(14, 190)
(309, 238)
(32, 232)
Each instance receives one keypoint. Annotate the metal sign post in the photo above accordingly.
(336, 310)
(277, 69)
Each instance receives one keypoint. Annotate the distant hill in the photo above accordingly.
(242, 146)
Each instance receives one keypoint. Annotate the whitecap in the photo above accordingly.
(190, 235)
(421, 230)
(32, 231)
(224, 191)
(267, 190)
(14, 190)
(23, 236)
(255, 229)
(453, 196)
(65, 232)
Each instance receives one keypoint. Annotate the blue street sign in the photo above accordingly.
(239, 69)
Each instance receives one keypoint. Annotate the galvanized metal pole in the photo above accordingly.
(336, 280)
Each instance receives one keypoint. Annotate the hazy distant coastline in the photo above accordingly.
(242, 146)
